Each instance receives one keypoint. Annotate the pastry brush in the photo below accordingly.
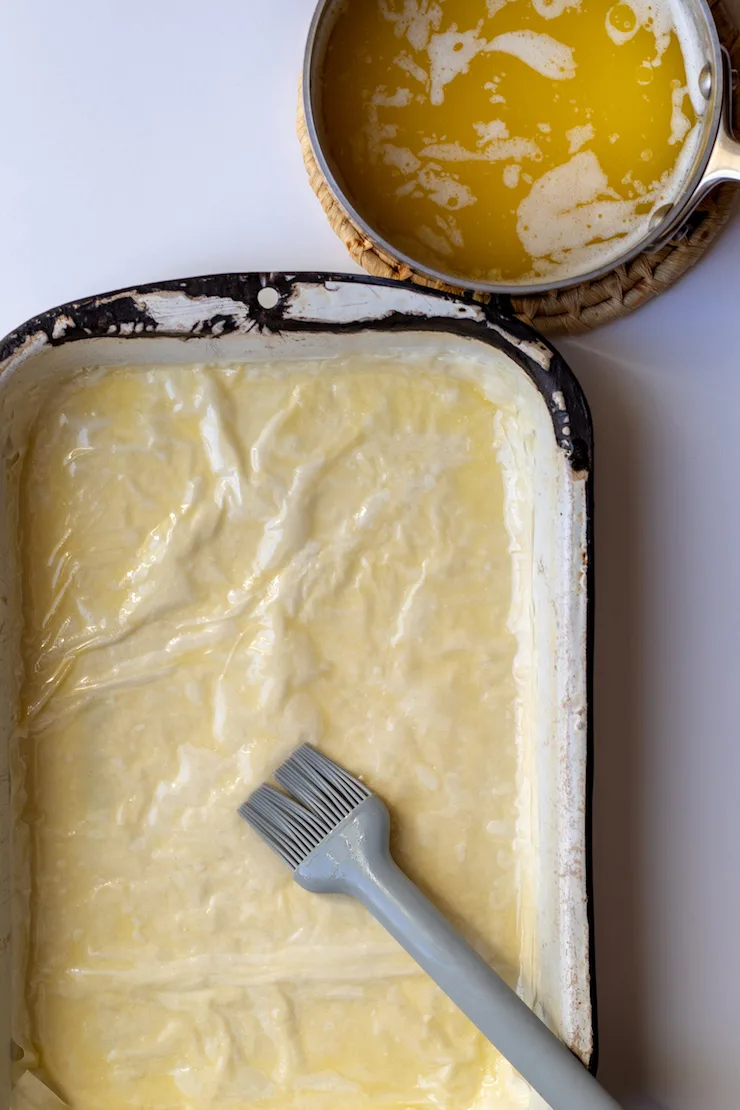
(334, 835)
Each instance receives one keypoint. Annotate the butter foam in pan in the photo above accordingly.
(218, 563)
(511, 140)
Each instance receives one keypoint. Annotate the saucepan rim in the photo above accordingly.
(713, 82)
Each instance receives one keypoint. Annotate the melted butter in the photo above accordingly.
(220, 563)
(457, 126)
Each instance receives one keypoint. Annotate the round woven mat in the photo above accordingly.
(585, 306)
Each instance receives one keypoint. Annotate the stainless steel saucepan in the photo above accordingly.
(717, 157)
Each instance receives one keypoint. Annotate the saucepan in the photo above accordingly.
(716, 156)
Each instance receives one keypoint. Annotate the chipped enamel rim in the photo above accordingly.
(222, 304)
(203, 318)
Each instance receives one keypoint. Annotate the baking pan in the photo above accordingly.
(242, 317)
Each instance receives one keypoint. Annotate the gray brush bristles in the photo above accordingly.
(319, 795)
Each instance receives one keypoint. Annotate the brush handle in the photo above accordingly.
(359, 863)
(498, 1012)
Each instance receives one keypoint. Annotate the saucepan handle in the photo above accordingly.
(723, 165)
(724, 162)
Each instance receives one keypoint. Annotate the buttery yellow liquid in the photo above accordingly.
(507, 141)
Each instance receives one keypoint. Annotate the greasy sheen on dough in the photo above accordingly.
(220, 563)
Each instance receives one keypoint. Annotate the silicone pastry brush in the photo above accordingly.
(334, 834)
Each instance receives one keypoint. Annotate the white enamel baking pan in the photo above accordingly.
(240, 317)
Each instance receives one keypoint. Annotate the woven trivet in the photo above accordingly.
(585, 306)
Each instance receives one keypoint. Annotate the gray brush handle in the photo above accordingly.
(356, 860)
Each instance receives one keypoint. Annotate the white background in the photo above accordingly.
(155, 139)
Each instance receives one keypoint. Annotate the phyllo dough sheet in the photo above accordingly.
(218, 564)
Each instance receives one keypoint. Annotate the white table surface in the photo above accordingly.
(155, 139)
